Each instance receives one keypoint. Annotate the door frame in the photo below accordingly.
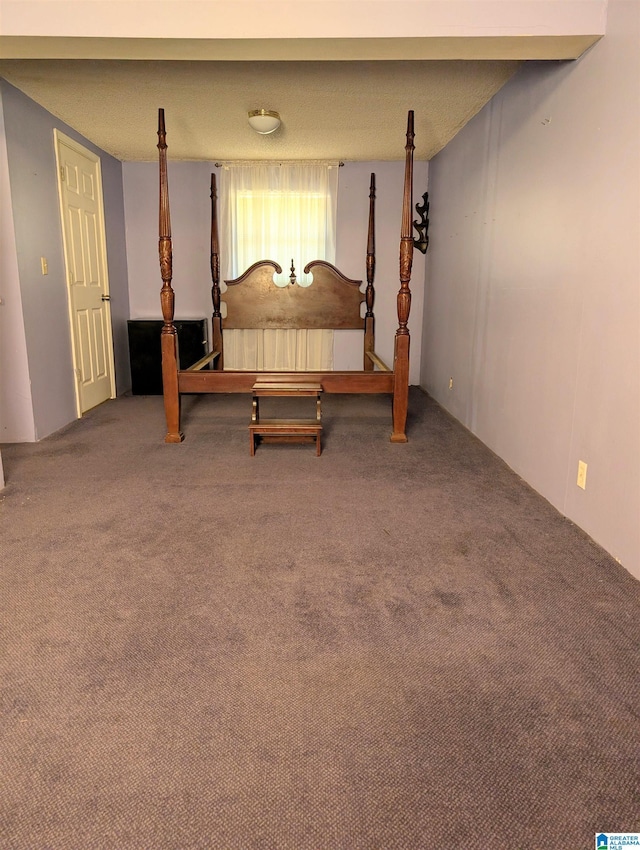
(61, 138)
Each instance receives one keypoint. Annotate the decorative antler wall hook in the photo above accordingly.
(421, 242)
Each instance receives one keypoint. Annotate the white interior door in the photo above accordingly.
(80, 185)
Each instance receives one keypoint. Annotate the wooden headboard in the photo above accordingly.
(331, 301)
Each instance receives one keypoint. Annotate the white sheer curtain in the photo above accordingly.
(280, 212)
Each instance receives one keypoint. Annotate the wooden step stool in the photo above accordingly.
(286, 430)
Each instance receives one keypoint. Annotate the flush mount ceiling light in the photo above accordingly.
(263, 121)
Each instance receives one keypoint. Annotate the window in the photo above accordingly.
(280, 212)
(284, 226)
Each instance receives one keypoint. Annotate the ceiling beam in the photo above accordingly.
(518, 47)
(312, 22)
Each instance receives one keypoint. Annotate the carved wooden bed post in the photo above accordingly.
(215, 278)
(401, 354)
(369, 321)
(169, 336)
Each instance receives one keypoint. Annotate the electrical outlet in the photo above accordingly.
(44, 265)
(450, 383)
(582, 474)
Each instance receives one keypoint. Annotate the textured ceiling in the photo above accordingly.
(347, 110)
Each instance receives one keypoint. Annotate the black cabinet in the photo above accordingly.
(146, 355)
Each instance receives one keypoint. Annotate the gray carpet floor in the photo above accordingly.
(388, 646)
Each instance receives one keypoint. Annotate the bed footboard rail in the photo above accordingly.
(211, 381)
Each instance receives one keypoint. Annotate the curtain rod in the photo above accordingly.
(240, 162)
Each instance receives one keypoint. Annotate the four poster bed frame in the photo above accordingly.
(331, 301)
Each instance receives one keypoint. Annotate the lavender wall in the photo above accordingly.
(36, 215)
(532, 302)
(16, 408)
(190, 217)
(191, 231)
(351, 247)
